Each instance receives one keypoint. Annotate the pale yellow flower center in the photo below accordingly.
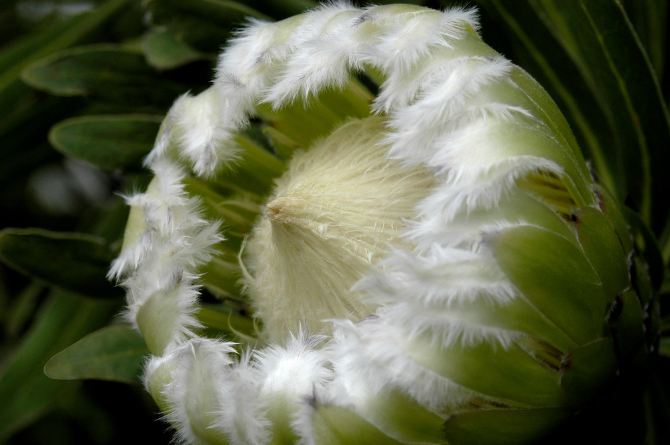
(334, 214)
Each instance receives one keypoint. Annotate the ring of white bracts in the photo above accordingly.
(436, 97)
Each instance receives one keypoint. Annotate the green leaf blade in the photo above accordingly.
(204, 25)
(71, 261)
(25, 392)
(108, 141)
(109, 73)
(73, 31)
(599, 38)
(164, 51)
(113, 353)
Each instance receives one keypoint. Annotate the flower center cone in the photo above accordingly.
(338, 209)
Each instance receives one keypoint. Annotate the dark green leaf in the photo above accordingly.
(112, 353)
(647, 245)
(202, 24)
(664, 347)
(108, 141)
(105, 72)
(22, 310)
(19, 102)
(72, 261)
(587, 54)
(164, 51)
(650, 20)
(111, 225)
(25, 392)
(71, 32)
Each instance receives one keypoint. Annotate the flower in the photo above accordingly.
(445, 269)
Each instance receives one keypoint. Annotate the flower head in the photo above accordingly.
(442, 269)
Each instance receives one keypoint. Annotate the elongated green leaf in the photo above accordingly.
(202, 24)
(650, 19)
(19, 102)
(664, 243)
(111, 353)
(25, 392)
(589, 57)
(105, 72)
(647, 247)
(164, 51)
(109, 141)
(72, 261)
(22, 310)
(599, 38)
(71, 32)
(664, 347)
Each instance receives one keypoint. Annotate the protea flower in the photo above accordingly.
(439, 267)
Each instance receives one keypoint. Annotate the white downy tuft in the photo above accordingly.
(242, 414)
(166, 241)
(195, 392)
(443, 223)
(320, 58)
(195, 125)
(294, 370)
(406, 37)
(203, 140)
(371, 355)
(163, 139)
(443, 277)
(281, 62)
(484, 188)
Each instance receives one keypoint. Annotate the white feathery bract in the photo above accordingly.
(370, 353)
(165, 243)
(443, 277)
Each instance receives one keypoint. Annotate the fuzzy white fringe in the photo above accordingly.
(451, 105)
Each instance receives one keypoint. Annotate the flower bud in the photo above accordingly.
(438, 267)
